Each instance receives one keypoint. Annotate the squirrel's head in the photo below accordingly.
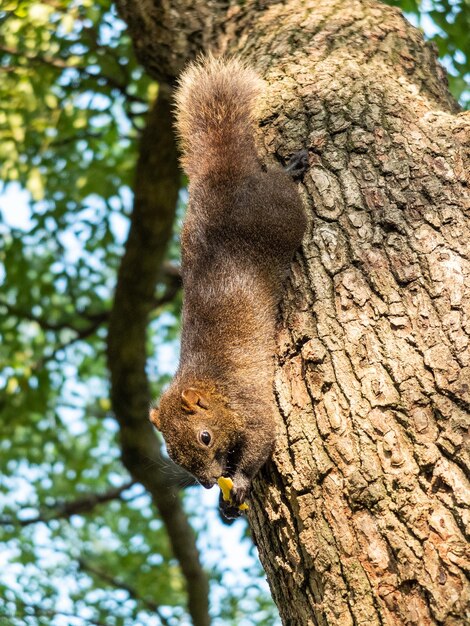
(199, 431)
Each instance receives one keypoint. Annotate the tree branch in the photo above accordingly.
(56, 326)
(80, 335)
(120, 584)
(170, 272)
(63, 64)
(156, 193)
(65, 510)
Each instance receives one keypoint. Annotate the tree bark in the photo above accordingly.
(362, 516)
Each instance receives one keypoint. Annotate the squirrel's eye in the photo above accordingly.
(205, 437)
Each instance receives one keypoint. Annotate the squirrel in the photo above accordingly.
(243, 225)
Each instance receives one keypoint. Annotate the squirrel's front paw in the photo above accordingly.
(240, 490)
(239, 495)
(233, 494)
(229, 510)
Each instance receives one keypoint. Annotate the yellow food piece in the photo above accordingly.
(226, 485)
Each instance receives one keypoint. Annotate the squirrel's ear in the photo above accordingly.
(191, 398)
(154, 417)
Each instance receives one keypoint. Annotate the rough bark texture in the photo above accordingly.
(362, 515)
(156, 191)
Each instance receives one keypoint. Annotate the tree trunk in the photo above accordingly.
(362, 514)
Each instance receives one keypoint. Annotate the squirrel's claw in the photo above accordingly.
(298, 164)
(239, 496)
(240, 490)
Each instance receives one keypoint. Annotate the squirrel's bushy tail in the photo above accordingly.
(215, 103)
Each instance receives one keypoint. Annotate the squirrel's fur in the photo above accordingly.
(242, 227)
(215, 114)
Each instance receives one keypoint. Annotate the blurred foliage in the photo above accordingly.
(72, 103)
(447, 24)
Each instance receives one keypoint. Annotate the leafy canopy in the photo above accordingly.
(447, 24)
(73, 101)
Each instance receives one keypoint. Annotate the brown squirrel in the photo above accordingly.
(242, 227)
